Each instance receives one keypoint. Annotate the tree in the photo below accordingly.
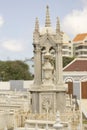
(14, 70)
(67, 60)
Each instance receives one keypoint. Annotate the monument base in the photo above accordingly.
(48, 100)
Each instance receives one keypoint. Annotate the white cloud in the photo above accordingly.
(1, 21)
(76, 21)
(13, 45)
(84, 2)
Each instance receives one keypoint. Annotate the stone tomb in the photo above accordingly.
(48, 90)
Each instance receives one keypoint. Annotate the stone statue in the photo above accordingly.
(48, 70)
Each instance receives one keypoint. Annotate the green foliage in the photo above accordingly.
(14, 70)
(67, 60)
(85, 121)
(18, 70)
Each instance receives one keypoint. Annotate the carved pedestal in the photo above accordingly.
(48, 101)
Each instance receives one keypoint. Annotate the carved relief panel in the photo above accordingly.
(47, 102)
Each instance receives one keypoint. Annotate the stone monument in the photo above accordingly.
(48, 90)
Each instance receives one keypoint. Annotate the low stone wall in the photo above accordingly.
(2, 121)
(6, 119)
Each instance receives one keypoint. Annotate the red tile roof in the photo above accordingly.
(80, 37)
(77, 65)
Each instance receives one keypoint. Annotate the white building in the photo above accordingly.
(67, 48)
(80, 45)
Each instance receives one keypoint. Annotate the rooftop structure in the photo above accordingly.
(80, 37)
(79, 64)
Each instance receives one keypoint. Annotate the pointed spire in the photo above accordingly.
(37, 25)
(58, 25)
(47, 21)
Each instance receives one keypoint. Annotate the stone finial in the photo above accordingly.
(58, 124)
(36, 126)
(36, 32)
(58, 25)
(47, 21)
(5, 128)
(37, 25)
(47, 128)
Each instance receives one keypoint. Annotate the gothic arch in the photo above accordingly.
(51, 49)
(43, 49)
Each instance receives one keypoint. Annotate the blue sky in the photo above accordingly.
(17, 20)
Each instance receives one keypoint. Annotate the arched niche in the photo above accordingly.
(69, 81)
(52, 50)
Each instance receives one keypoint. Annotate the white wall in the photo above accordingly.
(28, 83)
(4, 85)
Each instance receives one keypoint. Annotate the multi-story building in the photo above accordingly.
(80, 45)
(67, 48)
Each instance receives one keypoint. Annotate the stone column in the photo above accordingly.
(35, 102)
(60, 94)
(59, 74)
(37, 65)
(57, 65)
(61, 100)
(60, 66)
